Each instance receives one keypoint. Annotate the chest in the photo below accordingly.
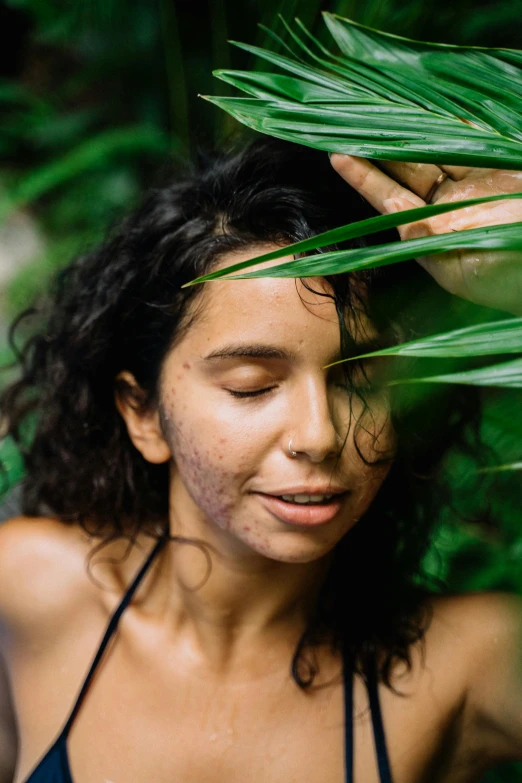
(203, 729)
(144, 719)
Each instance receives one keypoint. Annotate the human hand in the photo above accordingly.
(491, 278)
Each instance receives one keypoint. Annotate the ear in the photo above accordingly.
(143, 424)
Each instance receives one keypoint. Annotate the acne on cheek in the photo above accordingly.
(222, 442)
(213, 488)
(208, 485)
(180, 376)
(210, 488)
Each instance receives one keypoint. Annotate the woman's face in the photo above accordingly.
(246, 379)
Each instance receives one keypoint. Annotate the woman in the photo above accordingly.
(245, 525)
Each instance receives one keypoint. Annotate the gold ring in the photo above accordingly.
(436, 185)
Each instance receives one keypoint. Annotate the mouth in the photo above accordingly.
(305, 499)
(305, 509)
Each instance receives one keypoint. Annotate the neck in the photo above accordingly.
(229, 602)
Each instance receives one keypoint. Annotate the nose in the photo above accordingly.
(314, 433)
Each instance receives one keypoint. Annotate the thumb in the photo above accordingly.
(409, 230)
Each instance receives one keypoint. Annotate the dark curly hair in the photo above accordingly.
(121, 307)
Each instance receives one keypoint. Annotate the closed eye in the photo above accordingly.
(256, 393)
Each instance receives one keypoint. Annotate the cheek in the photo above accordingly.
(210, 483)
(212, 460)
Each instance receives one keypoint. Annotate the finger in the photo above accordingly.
(418, 177)
(457, 172)
(443, 187)
(420, 228)
(374, 185)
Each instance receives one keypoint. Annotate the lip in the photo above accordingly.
(303, 516)
(308, 490)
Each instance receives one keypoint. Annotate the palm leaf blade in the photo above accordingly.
(373, 130)
(271, 85)
(494, 337)
(507, 375)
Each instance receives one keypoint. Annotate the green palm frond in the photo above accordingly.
(349, 260)
(494, 337)
(503, 237)
(385, 97)
(507, 375)
(502, 468)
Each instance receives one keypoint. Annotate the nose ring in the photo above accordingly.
(292, 453)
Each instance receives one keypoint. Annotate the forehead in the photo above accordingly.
(277, 310)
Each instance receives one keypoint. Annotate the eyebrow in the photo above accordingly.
(260, 351)
(255, 351)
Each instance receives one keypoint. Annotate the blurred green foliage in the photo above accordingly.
(103, 94)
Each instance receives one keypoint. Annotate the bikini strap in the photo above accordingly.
(378, 728)
(348, 715)
(111, 628)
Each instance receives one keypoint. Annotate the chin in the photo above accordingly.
(293, 551)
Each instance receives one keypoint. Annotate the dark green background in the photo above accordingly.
(97, 96)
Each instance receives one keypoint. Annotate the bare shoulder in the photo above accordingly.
(478, 624)
(42, 572)
(479, 636)
(474, 630)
